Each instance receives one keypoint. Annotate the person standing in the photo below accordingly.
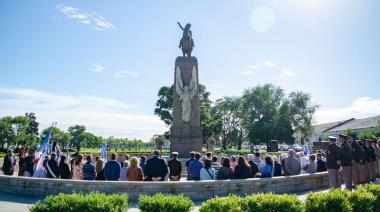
(292, 164)
(304, 161)
(192, 156)
(377, 148)
(112, 169)
(123, 170)
(195, 167)
(175, 167)
(135, 172)
(367, 162)
(64, 170)
(372, 163)
(156, 168)
(362, 162)
(254, 166)
(52, 167)
(9, 163)
(29, 164)
(76, 169)
(211, 144)
(332, 157)
(355, 160)
(207, 172)
(345, 161)
(21, 162)
(89, 172)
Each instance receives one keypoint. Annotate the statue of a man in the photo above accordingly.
(186, 43)
(186, 93)
(159, 143)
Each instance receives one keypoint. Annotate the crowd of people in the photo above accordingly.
(357, 159)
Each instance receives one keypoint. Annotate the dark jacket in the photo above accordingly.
(112, 170)
(29, 163)
(175, 167)
(242, 172)
(372, 154)
(9, 165)
(363, 156)
(355, 151)
(254, 169)
(156, 167)
(366, 153)
(225, 173)
(321, 166)
(64, 171)
(345, 154)
(332, 156)
(100, 175)
(54, 168)
(277, 169)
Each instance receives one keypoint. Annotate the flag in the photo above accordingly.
(68, 154)
(43, 145)
(103, 152)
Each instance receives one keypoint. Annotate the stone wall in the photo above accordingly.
(197, 191)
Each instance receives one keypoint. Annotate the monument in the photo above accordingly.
(186, 133)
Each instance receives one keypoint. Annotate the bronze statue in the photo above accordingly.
(186, 43)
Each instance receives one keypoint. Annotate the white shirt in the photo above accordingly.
(205, 175)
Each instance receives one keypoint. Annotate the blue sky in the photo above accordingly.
(101, 64)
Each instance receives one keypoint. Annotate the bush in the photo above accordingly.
(361, 200)
(272, 202)
(375, 191)
(96, 202)
(165, 203)
(333, 201)
(221, 204)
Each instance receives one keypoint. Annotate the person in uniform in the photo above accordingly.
(159, 143)
(377, 148)
(332, 157)
(175, 168)
(355, 159)
(367, 162)
(211, 144)
(362, 163)
(345, 161)
(372, 163)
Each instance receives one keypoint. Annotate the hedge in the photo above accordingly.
(272, 202)
(375, 191)
(96, 202)
(221, 204)
(165, 203)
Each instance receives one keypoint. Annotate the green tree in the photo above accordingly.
(325, 137)
(164, 104)
(6, 131)
(77, 139)
(33, 124)
(57, 135)
(367, 134)
(20, 126)
(348, 132)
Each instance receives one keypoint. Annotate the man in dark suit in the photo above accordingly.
(332, 165)
(355, 160)
(52, 167)
(321, 165)
(156, 168)
(9, 163)
(345, 161)
(175, 167)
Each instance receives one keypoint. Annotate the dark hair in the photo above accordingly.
(257, 154)
(88, 158)
(197, 155)
(79, 159)
(242, 163)
(63, 158)
(156, 152)
(97, 157)
(215, 159)
(53, 156)
(319, 155)
(192, 155)
(175, 155)
(269, 160)
(143, 159)
(126, 157)
(227, 163)
(208, 154)
(208, 164)
(312, 157)
(113, 156)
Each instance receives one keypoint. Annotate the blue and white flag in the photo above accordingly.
(103, 152)
(67, 154)
(43, 145)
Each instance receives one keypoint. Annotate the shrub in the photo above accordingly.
(375, 191)
(333, 201)
(221, 204)
(272, 202)
(361, 200)
(165, 203)
(96, 202)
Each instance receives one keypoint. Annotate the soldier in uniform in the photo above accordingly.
(355, 159)
(332, 157)
(367, 161)
(372, 163)
(377, 148)
(345, 161)
(362, 162)
(159, 143)
(211, 144)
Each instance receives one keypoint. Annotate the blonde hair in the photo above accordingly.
(134, 162)
(99, 165)
(126, 163)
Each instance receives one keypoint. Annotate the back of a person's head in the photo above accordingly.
(197, 155)
(99, 165)
(268, 160)
(143, 159)
(63, 158)
(208, 164)
(226, 162)
(126, 157)
(157, 152)
(214, 159)
(78, 159)
(250, 156)
(126, 163)
(134, 162)
(274, 158)
(257, 154)
(291, 152)
(192, 155)
(312, 157)
(97, 157)
(208, 154)
(88, 158)
(53, 156)
(241, 162)
(319, 155)
(233, 158)
(113, 156)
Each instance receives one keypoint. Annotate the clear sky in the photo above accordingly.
(101, 63)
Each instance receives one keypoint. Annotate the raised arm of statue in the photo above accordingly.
(179, 25)
(178, 83)
(193, 83)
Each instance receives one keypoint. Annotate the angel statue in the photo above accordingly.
(186, 93)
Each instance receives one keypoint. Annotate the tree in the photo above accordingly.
(57, 135)
(325, 137)
(6, 131)
(348, 132)
(33, 124)
(20, 126)
(77, 139)
(367, 134)
(164, 104)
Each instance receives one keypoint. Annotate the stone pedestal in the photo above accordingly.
(185, 136)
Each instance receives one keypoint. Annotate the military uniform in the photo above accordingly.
(211, 144)
(377, 150)
(346, 161)
(332, 157)
(355, 161)
(367, 163)
(362, 163)
(372, 163)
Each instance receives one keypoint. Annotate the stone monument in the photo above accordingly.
(186, 133)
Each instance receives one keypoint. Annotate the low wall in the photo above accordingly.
(197, 191)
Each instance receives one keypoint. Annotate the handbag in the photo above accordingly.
(210, 174)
